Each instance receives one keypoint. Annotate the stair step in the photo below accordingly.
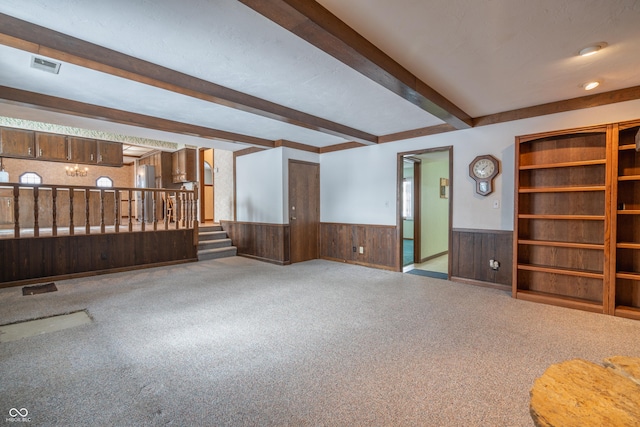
(212, 235)
(211, 244)
(217, 253)
(207, 228)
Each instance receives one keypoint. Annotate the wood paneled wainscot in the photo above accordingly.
(342, 242)
(471, 252)
(266, 242)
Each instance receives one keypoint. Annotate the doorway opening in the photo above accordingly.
(206, 186)
(425, 179)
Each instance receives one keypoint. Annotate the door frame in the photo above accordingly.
(201, 160)
(400, 227)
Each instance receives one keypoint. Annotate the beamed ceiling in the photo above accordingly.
(319, 76)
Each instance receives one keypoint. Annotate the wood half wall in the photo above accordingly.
(31, 260)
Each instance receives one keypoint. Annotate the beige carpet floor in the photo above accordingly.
(236, 342)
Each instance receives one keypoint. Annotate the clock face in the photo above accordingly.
(483, 168)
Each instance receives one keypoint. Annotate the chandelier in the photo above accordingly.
(76, 171)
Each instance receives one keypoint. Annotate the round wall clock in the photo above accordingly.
(483, 169)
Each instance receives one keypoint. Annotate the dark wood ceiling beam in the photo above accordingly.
(415, 133)
(75, 108)
(340, 147)
(296, 145)
(315, 24)
(589, 101)
(39, 40)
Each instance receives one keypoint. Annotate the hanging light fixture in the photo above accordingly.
(76, 171)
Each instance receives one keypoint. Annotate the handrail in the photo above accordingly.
(152, 206)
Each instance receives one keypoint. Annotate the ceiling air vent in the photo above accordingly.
(45, 65)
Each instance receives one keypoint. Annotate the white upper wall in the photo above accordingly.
(259, 187)
(262, 181)
(359, 186)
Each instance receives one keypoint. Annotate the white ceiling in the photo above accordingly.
(484, 56)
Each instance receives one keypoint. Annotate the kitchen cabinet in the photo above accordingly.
(183, 165)
(109, 153)
(51, 147)
(82, 150)
(17, 143)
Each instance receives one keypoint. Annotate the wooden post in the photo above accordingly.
(54, 212)
(71, 226)
(166, 210)
(36, 225)
(142, 204)
(177, 208)
(155, 210)
(130, 211)
(16, 211)
(102, 211)
(195, 214)
(183, 213)
(116, 206)
(87, 211)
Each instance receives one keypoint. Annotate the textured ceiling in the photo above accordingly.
(498, 55)
(485, 57)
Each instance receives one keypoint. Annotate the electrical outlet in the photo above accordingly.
(496, 204)
(355, 249)
(361, 249)
(494, 264)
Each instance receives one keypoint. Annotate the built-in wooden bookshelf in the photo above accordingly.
(625, 252)
(577, 219)
(561, 243)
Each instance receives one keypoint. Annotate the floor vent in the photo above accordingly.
(39, 289)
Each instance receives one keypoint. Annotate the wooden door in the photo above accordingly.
(304, 210)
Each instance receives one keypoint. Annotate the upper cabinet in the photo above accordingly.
(82, 150)
(109, 153)
(51, 147)
(28, 144)
(183, 164)
(17, 143)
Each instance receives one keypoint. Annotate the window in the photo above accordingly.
(104, 181)
(407, 198)
(30, 178)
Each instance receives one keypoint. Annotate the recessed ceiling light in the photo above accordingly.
(591, 50)
(591, 85)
